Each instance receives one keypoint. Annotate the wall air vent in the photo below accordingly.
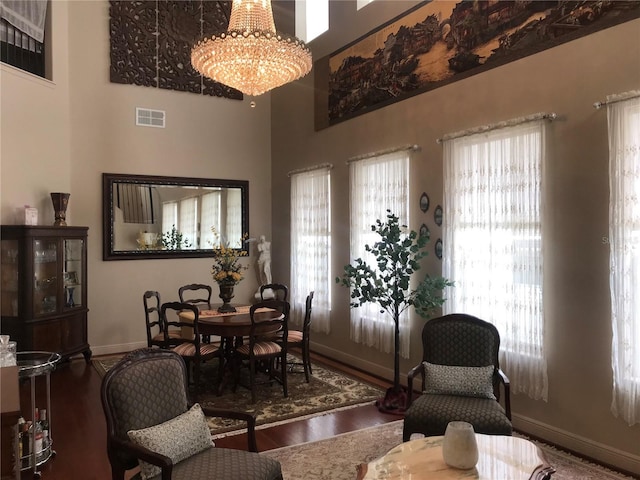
(150, 118)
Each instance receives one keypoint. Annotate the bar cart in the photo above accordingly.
(32, 365)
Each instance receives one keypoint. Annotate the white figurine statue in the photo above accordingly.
(264, 266)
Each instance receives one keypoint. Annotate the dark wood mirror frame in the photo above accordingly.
(111, 180)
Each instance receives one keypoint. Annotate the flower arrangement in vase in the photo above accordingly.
(227, 270)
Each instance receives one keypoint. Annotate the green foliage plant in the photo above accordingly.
(388, 283)
(174, 240)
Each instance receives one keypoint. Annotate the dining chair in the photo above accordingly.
(300, 339)
(276, 291)
(264, 351)
(151, 423)
(154, 324)
(197, 294)
(192, 350)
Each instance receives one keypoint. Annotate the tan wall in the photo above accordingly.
(84, 126)
(567, 80)
(35, 132)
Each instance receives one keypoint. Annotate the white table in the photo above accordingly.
(500, 457)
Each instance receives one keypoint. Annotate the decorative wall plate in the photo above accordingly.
(437, 215)
(424, 202)
(424, 231)
(438, 248)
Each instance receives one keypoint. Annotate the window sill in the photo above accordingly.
(6, 68)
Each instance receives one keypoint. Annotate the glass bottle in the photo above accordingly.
(37, 434)
(44, 423)
(27, 438)
(21, 424)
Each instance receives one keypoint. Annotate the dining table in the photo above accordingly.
(231, 327)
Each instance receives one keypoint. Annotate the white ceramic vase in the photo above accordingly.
(459, 446)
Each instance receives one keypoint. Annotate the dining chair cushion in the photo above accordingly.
(226, 464)
(170, 333)
(178, 438)
(430, 414)
(189, 349)
(260, 349)
(455, 380)
(294, 336)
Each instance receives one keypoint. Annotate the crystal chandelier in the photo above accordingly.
(251, 56)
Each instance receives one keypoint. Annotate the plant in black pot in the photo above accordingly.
(397, 257)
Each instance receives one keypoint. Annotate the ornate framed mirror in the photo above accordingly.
(151, 217)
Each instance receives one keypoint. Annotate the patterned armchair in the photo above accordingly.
(144, 398)
(461, 379)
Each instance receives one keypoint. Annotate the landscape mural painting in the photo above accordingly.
(438, 42)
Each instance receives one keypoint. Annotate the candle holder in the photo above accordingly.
(459, 446)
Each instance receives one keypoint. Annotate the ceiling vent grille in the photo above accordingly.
(150, 118)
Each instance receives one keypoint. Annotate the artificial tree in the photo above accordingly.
(397, 257)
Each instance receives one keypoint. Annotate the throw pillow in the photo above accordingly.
(465, 381)
(178, 438)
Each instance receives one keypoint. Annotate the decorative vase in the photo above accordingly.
(459, 446)
(60, 202)
(70, 301)
(226, 294)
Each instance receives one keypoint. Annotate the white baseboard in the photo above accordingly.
(576, 443)
(356, 362)
(118, 348)
(582, 445)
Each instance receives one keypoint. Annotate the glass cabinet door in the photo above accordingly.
(72, 265)
(10, 277)
(45, 272)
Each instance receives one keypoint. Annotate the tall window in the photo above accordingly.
(362, 3)
(210, 212)
(493, 243)
(194, 217)
(188, 220)
(169, 216)
(22, 34)
(312, 20)
(624, 237)
(234, 218)
(311, 245)
(378, 184)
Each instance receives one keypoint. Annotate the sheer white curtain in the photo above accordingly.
(377, 184)
(169, 216)
(624, 237)
(27, 15)
(493, 243)
(188, 221)
(209, 217)
(234, 231)
(311, 246)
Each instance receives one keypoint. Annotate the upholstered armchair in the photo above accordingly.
(150, 420)
(461, 379)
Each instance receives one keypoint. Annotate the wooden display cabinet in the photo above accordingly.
(44, 288)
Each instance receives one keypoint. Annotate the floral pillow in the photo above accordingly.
(178, 438)
(465, 381)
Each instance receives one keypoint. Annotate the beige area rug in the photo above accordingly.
(337, 458)
(327, 391)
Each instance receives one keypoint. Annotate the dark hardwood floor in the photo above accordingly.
(79, 431)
